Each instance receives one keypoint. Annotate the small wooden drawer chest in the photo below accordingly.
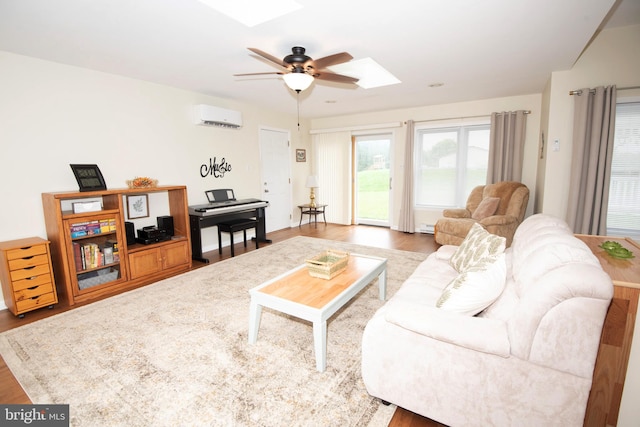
(26, 275)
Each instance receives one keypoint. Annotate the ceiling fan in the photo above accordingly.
(299, 70)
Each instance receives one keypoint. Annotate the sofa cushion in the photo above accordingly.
(502, 308)
(534, 224)
(538, 232)
(476, 288)
(557, 289)
(478, 244)
(445, 252)
(561, 250)
(473, 333)
(487, 207)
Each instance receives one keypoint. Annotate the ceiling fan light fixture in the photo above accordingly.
(298, 81)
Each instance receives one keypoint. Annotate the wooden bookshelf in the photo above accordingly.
(131, 266)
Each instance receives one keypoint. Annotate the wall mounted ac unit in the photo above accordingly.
(208, 115)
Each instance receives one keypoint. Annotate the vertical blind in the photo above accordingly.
(623, 216)
(332, 153)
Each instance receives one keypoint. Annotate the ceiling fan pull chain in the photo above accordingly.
(298, 102)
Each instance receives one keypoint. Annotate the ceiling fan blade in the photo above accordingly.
(332, 77)
(330, 60)
(258, 74)
(270, 57)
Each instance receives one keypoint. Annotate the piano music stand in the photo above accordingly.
(220, 195)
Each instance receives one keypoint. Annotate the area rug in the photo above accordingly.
(176, 353)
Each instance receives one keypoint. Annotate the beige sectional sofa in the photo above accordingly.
(525, 360)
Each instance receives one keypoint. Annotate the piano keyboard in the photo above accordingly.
(217, 208)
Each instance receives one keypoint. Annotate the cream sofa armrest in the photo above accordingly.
(445, 252)
(456, 213)
(474, 333)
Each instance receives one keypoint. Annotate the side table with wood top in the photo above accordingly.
(609, 374)
(314, 211)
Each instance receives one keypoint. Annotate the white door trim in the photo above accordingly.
(286, 210)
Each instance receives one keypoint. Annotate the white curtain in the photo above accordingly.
(594, 121)
(506, 149)
(332, 154)
(406, 221)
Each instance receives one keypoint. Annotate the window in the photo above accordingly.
(623, 217)
(450, 162)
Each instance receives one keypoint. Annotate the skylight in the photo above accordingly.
(253, 12)
(369, 72)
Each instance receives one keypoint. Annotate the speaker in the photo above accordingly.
(130, 232)
(166, 223)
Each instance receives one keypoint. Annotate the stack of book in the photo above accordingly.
(91, 255)
(89, 228)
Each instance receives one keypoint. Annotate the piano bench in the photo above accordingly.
(235, 225)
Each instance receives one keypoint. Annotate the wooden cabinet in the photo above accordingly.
(89, 250)
(27, 275)
(163, 257)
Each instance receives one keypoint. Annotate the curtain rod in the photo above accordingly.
(357, 128)
(579, 91)
(458, 118)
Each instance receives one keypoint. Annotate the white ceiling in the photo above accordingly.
(478, 49)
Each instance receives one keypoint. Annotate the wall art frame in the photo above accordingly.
(138, 206)
(301, 155)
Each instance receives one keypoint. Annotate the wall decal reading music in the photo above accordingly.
(215, 169)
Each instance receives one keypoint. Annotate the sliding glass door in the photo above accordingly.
(372, 179)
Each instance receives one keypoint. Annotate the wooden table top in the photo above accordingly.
(300, 287)
(623, 272)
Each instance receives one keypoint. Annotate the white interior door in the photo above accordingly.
(275, 155)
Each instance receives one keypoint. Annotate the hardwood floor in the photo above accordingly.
(11, 392)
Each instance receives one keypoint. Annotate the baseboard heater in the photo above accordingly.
(426, 228)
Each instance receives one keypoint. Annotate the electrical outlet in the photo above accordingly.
(556, 144)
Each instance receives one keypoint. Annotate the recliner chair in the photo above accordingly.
(498, 207)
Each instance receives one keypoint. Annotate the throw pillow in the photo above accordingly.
(476, 288)
(478, 244)
(486, 208)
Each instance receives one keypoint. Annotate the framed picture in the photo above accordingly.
(301, 155)
(89, 177)
(138, 206)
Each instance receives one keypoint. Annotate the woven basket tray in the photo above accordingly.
(328, 264)
(95, 278)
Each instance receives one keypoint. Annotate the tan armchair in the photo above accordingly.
(498, 207)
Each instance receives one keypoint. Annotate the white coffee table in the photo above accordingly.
(299, 294)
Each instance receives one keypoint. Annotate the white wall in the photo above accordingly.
(446, 111)
(52, 115)
(611, 59)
